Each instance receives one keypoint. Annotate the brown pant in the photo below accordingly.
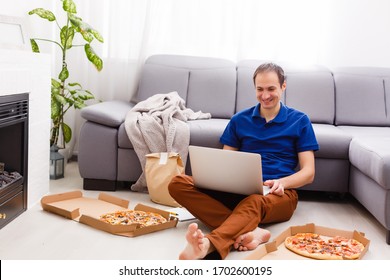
(230, 215)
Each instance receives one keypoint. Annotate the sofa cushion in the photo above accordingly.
(333, 142)
(196, 79)
(162, 79)
(109, 113)
(363, 131)
(123, 140)
(312, 93)
(213, 91)
(360, 100)
(207, 132)
(371, 155)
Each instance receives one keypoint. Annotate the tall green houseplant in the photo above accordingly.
(64, 94)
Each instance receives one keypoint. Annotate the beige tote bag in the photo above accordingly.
(160, 168)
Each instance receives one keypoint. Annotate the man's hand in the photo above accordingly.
(276, 187)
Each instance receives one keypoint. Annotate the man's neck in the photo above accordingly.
(269, 114)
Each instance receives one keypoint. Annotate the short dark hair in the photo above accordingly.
(270, 67)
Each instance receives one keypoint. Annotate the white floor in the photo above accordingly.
(41, 235)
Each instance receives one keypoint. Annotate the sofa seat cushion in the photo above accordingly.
(363, 131)
(207, 132)
(371, 155)
(202, 133)
(334, 143)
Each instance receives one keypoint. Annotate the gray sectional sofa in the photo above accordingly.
(349, 109)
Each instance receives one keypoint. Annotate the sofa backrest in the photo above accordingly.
(362, 96)
(309, 89)
(344, 96)
(206, 84)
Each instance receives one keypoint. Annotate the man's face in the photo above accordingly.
(268, 89)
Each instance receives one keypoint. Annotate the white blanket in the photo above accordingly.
(158, 124)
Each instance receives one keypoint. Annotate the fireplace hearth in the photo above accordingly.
(13, 156)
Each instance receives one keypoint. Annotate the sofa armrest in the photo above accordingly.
(109, 113)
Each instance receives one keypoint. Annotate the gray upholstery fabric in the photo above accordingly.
(334, 143)
(217, 86)
(363, 131)
(371, 155)
(387, 91)
(360, 100)
(372, 196)
(123, 138)
(207, 132)
(129, 167)
(109, 113)
(101, 142)
(312, 93)
(332, 175)
(195, 79)
(161, 79)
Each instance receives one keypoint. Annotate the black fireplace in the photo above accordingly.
(13, 156)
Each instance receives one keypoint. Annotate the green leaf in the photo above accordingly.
(69, 101)
(74, 84)
(67, 35)
(55, 88)
(67, 132)
(55, 91)
(69, 6)
(55, 83)
(86, 35)
(93, 57)
(64, 74)
(61, 100)
(79, 104)
(55, 109)
(97, 35)
(45, 14)
(88, 95)
(34, 46)
(87, 31)
(75, 21)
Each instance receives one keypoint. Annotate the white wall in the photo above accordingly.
(356, 33)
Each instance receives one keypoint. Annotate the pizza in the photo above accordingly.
(129, 217)
(314, 246)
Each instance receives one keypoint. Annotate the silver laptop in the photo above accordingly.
(227, 171)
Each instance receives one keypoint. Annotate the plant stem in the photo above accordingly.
(51, 41)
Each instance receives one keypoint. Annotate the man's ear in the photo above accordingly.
(284, 85)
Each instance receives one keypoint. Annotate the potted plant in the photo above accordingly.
(64, 94)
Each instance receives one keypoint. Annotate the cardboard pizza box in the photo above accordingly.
(275, 250)
(73, 205)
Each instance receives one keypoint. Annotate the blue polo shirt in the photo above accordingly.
(278, 142)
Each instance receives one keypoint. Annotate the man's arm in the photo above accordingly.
(303, 177)
(226, 147)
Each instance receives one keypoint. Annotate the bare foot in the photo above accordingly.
(252, 239)
(198, 245)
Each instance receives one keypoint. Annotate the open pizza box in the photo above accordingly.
(276, 250)
(73, 205)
